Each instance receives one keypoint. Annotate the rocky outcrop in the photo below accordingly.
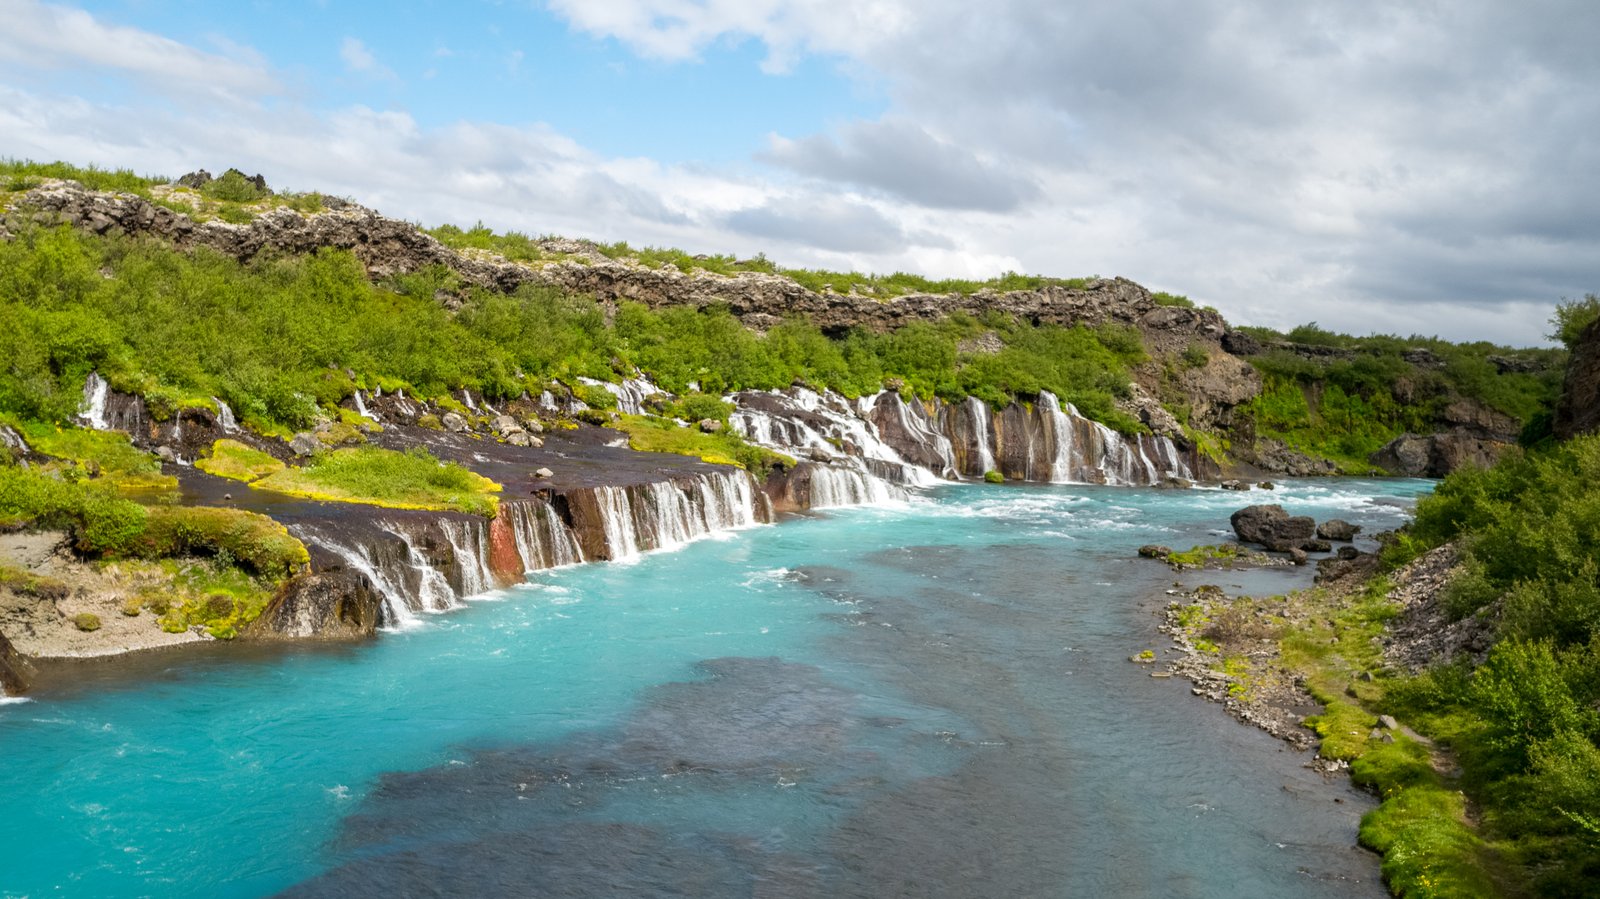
(1273, 528)
(1578, 410)
(330, 606)
(1425, 633)
(389, 246)
(16, 673)
(1436, 455)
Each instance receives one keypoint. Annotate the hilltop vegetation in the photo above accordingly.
(279, 339)
(1347, 403)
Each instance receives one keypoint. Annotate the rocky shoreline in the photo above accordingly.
(1231, 648)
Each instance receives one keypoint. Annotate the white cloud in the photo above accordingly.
(44, 36)
(359, 59)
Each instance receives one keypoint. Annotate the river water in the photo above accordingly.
(926, 699)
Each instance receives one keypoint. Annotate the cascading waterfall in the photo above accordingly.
(225, 417)
(1085, 448)
(434, 593)
(978, 411)
(631, 393)
(12, 440)
(842, 447)
(470, 542)
(667, 514)
(397, 611)
(361, 406)
(93, 409)
(616, 518)
(543, 540)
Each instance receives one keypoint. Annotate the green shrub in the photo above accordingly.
(233, 187)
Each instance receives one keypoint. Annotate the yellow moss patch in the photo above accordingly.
(378, 477)
(232, 459)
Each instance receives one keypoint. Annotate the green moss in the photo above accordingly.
(415, 479)
(237, 461)
(724, 447)
(1203, 556)
(234, 535)
(86, 621)
(994, 477)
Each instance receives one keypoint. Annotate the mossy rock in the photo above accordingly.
(86, 621)
(430, 421)
(994, 477)
(132, 606)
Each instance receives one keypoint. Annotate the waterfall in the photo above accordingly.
(93, 410)
(225, 417)
(833, 486)
(469, 540)
(1087, 451)
(631, 393)
(397, 611)
(466, 396)
(978, 411)
(543, 539)
(667, 514)
(361, 406)
(433, 590)
(616, 518)
(10, 439)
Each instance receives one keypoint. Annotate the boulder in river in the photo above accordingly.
(1338, 529)
(1272, 527)
(324, 605)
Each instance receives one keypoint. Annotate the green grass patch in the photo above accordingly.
(237, 461)
(1421, 827)
(25, 174)
(1202, 556)
(414, 479)
(650, 434)
(107, 454)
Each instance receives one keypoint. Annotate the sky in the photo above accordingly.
(1391, 166)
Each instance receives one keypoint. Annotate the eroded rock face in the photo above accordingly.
(1436, 455)
(16, 673)
(1272, 527)
(1578, 410)
(326, 605)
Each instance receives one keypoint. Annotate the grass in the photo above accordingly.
(236, 461)
(650, 434)
(414, 479)
(107, 454)
(25, 174)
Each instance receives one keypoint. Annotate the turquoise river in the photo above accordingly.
(925, 699)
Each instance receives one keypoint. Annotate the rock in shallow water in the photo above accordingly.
(1272, 527)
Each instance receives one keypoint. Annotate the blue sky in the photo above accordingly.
(517, 64)
(1404, 168)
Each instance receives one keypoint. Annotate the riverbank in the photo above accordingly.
(1311, 667)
